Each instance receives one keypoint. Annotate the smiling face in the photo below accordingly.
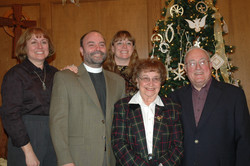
(149, 84)
(198, 68)
(94, 49)
(37, 48)
(123, 50)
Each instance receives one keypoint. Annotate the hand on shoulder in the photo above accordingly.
(72, 68)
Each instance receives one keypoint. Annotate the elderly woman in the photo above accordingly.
(122, 57)
(146, 128)
(26, 91)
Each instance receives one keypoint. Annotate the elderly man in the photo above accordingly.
(215, 117)
(82, 108)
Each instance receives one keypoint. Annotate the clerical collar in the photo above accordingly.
(92, 70)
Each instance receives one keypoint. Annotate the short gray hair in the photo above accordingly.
(195, 47)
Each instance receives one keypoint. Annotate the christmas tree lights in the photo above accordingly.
(187, 23)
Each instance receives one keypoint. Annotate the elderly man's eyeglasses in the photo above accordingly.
(147, 79)
(193, 64)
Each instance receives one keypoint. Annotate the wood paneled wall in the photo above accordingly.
(237, 17)
(67, 23)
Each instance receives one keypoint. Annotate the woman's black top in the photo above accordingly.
(23, 94)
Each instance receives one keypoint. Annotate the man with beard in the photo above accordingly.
(81, 109)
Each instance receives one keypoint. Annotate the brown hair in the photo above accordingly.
(21, 45)
(110, 64)
(149, 65)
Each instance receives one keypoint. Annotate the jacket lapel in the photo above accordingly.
(157, 128)
(213, 97)
(187, 105)
(87, 85)
(110, 91)
(137, 122)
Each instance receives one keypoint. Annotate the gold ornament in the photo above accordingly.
(201, 7)
(156, 37)
(178, 29)
(176, 9)
(156, 28)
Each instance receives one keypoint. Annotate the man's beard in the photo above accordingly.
(93, 60)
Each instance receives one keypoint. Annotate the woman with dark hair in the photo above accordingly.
(122, 57)
(26, 92)
(146, 128)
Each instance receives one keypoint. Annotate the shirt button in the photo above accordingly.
(196, 141)
(103, 121)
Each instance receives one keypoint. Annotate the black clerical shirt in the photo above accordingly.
(23, 94)
(100, 87)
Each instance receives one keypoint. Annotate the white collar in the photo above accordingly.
(137, 99)
(92, 69)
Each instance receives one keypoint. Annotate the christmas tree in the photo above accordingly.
(187, 23)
